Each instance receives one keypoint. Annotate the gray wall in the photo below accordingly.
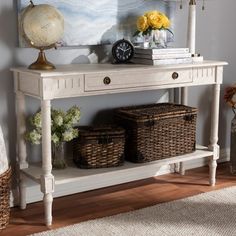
(215, 40)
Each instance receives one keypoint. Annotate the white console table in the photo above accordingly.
(94, 79)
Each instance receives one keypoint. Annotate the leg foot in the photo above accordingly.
(48, 199)
(176, 167)
(212, 166)
(181, 168)
(22, 189)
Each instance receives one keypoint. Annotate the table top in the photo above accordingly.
(77, 69)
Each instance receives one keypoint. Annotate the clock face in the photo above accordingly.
(122, 51)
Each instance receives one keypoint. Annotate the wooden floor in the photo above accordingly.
(110, 201)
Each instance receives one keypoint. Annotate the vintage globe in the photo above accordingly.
(43, 25)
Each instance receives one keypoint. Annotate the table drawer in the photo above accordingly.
(122, 80)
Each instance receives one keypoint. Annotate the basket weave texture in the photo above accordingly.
(158, 131)
(5, 180)
(99, 147)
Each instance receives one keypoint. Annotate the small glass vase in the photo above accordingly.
(155, 39)
(233, 146)
(58, 156)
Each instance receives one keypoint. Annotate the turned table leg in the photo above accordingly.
(214, 134)
(47, 179)
(21, 145)
(184, 101)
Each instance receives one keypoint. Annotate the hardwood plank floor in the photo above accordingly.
(118, 199)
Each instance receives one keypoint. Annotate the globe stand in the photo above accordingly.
(42, 63)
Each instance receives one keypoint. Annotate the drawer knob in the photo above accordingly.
(175, 75)
(106, 80)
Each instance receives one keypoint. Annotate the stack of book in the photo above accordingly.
(162, 56)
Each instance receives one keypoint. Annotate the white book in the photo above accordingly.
(155, 51)
(163, 56)
(162, 61)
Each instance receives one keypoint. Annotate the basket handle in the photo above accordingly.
(150, 122)
(105, 139)
(188, 117)
(97, 128)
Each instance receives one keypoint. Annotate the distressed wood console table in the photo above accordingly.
(94, 79)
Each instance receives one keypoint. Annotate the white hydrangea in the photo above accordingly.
(58, 120)
(62, 126)
(55, 138)
(36, 120)
(68, 135)
(34, 137)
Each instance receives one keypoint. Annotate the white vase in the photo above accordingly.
(160, 38)
(156, 39)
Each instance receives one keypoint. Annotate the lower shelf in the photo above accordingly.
(88, 179)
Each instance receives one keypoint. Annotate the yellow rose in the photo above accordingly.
(154, 19)
(142, 23)
(165, 21)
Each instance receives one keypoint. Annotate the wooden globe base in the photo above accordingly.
(42, 63)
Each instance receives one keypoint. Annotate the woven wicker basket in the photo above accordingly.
(99, 147)
(5, 179)
(158, 131)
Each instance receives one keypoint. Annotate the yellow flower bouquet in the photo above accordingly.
(152, 20)
(152, 23)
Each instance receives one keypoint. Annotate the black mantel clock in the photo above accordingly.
(122, 51)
